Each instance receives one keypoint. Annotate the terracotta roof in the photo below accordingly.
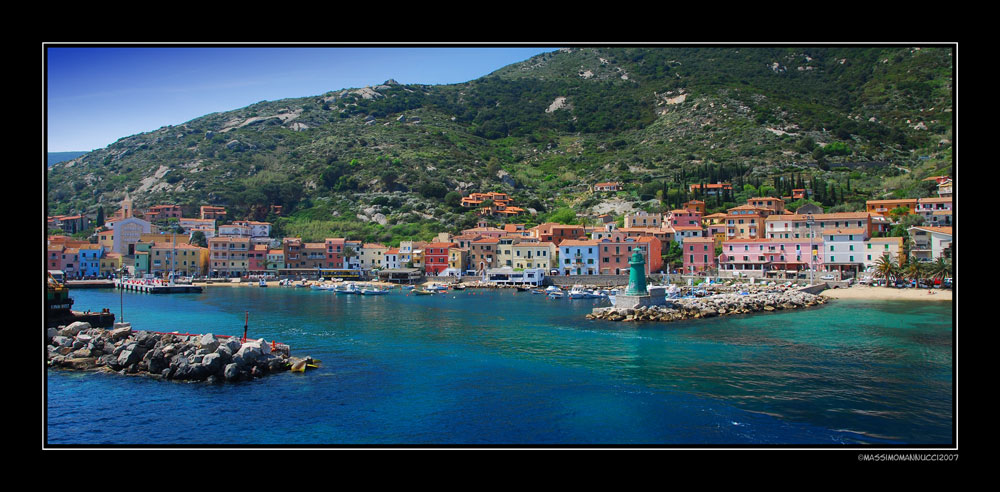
(439, 245)
(486, 240)
(374, 246)
(393, 251)
(578, 242)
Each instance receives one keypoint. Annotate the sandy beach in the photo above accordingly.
(888, 294)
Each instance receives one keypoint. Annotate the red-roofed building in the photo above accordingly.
(712, 189)
(436, 257)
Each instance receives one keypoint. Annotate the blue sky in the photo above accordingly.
(96, 95)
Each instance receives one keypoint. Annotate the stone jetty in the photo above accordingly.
(711, 306)
(164, 355)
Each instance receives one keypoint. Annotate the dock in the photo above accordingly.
(155, 286)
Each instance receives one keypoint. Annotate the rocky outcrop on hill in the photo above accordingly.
(708, 307)
(169, 356)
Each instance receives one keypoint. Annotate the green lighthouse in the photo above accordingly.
(637, 275)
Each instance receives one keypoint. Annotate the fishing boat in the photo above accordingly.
(302, 283)
(437, 288)
(458, 287)
(521, 288)
(423, 292)
(555, 294)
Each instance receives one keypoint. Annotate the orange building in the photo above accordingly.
(883, 207)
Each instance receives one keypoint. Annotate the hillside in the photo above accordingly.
(387, 162)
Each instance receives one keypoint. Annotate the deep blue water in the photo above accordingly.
(497, 369)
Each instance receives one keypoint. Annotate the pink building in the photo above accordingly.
(257, 258)
(614, 253)
(699, 254)
(757, 257)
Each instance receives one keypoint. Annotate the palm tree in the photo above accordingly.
(940, 269)
(914, 271)
(886, 267)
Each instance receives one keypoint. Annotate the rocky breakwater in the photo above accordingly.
(163, 355)
(708, 307)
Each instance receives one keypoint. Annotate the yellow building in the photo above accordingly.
(534, 255)
(111, 264)
(106, 239)
(458, 258)
(189, 260)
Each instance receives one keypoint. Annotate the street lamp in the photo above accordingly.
(812, 257)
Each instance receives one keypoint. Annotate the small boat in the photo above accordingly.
(458, 287)
(348, 288)
(521, 288)
(262, 283)
(555, 294)
(422, 292)
(577, 292)
(302, 283)
(437, 288)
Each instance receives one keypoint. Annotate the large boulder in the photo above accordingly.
(231, 372)
(74, 328)
(121, 333)
(208, 342)
(131, 354)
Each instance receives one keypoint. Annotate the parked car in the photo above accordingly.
(827, 277)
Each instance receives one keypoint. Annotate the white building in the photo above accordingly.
(578, 257)
(391, 259)
(929, 242)
(844, 248)
(127, 233)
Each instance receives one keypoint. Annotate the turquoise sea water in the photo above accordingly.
(490, 368)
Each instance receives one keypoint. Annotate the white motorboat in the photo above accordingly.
(578, 292)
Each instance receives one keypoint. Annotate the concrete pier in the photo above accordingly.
(153, 287)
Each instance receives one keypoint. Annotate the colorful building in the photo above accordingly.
(711, 189)
(458, 259)
(435, 257)
(883, 207)
(699, 254)
(930, 243)
(181, 259)
(483, 254)
(579, 257)
(228, 256)
(257, 258)
(876, 247)
(211, 212)
(794, 226)
(534, 255)
(89, 260)
(644, 219)
(935, 211)
(757, 257)
(372, 255)
(111, 264)
(844, 248)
